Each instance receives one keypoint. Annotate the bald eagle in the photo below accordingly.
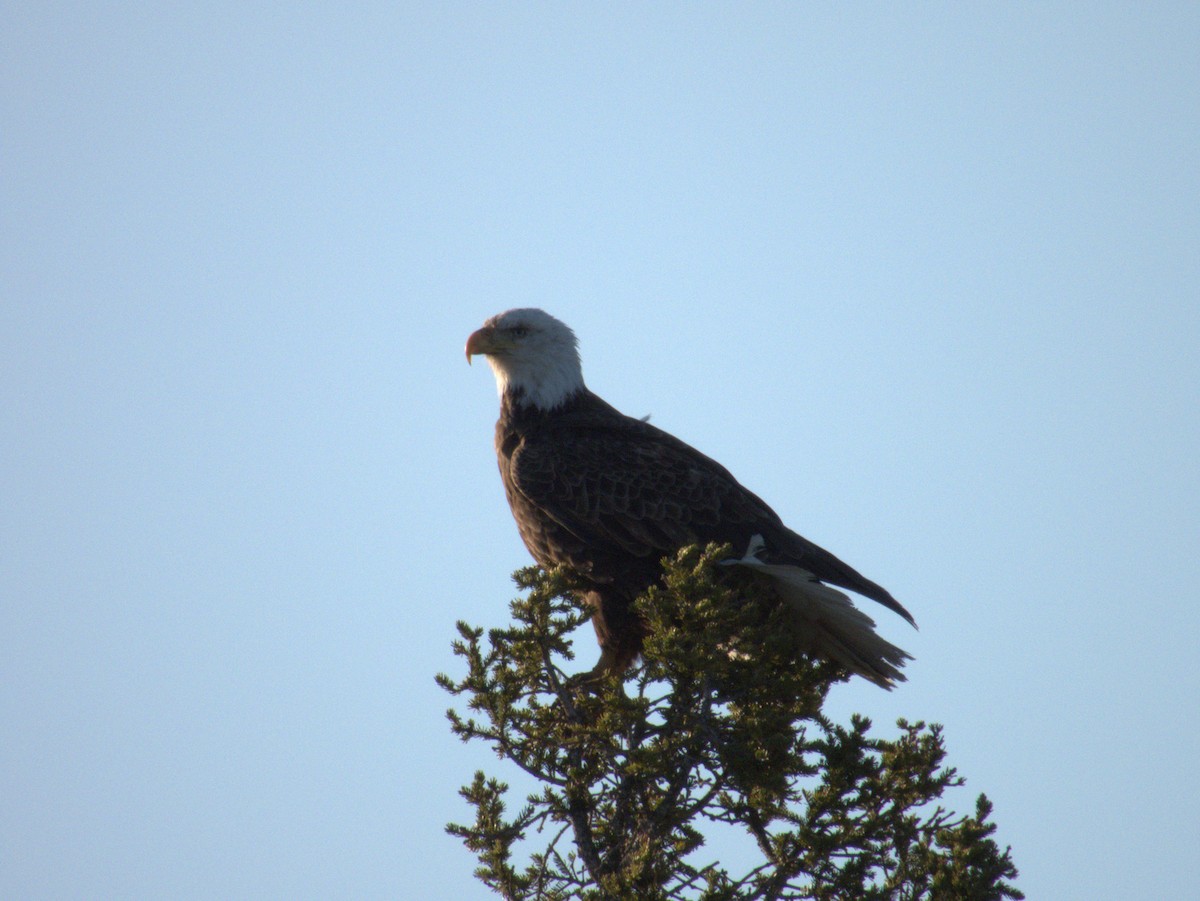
(608, 496)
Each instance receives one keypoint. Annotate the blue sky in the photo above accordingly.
(925, 277)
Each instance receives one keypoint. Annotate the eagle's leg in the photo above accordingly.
(607, 665)
(619, 632)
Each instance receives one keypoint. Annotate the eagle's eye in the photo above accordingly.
(518, 331)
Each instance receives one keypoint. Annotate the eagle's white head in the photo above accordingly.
(534, 356)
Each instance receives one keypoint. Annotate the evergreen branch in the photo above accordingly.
(735, 736)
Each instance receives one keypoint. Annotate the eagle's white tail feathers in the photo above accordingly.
(828, 622)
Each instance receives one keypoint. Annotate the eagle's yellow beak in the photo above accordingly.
(480, 342)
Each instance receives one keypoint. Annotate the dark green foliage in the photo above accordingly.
(721, 724)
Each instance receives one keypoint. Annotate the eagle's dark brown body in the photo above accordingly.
(609, 496)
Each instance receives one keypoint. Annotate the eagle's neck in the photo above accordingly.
(517, 407)
(552, 383)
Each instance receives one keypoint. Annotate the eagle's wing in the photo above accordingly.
(622, 482)
(633, 485)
